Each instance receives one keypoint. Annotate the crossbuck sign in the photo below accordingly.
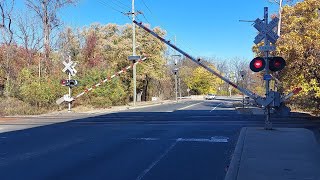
(70, 67)
(266, 31)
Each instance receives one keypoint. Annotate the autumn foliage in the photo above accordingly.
(300, 46)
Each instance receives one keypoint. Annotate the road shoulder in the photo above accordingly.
(13, 123)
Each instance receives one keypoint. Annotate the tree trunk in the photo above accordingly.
(46, 32)
(8, 57)
(145, 93)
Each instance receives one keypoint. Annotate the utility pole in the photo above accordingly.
(279, 33)
(133, 54)
(280, 16)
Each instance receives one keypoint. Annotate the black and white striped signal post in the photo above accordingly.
(71, 71)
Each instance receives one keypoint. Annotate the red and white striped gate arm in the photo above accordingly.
(109, 78)
(294, 92)
(245, 91)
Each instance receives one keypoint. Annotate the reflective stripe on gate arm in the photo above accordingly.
(87, 90)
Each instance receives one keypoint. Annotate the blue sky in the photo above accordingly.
(203, 28)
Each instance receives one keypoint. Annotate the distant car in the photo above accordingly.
(210, 97)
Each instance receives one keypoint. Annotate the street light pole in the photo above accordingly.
(179, 87)
(242, 73)
(176, 85)
(175, 71)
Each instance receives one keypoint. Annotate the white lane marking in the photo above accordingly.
(146, 139)
(156, 161)
(214, 139)
(215, 107)
(188, 106)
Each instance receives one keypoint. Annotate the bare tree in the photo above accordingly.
(47, 11)
(28, 34)
(6, 8)
(237, 65)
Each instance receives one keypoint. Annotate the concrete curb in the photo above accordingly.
(233, 169)
(133, 107)
(150, 105)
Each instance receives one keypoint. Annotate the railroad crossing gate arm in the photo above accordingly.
(66, 98)
(294, 92)
(247, 92)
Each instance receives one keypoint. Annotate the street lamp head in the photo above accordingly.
(176, 70)
(175, 58)
(243, 73)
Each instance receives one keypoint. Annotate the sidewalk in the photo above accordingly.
(280, 154)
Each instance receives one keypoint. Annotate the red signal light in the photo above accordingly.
(257, 64)
(63, 82)
(276, 63)
(70, 83)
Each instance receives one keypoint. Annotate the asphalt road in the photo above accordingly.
(185, 140)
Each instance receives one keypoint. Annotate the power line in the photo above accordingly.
(119, 5)
(168, 33)
(145, 18)
(123, 4)
(144, 3)
(108, 5)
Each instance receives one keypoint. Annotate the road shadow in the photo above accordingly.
(162, 117)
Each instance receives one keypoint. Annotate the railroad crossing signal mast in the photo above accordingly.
(267, 34)
(71, 71)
